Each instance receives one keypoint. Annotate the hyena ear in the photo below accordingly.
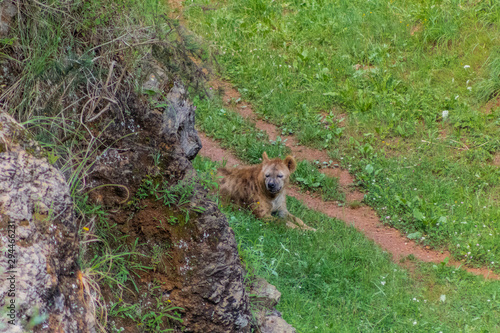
(290, 163)
(264, 157)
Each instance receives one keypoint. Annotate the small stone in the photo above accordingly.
(267, 295)
(275, 324)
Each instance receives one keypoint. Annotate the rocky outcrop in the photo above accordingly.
(275, 324)
(39, 287)
(178, 119)
(200, 270)
(178, 114)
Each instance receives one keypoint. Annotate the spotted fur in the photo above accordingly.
(261, 188)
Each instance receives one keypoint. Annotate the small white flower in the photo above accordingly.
(382, 283)
(442, 298)
(469, 88)
(415, 323)
(466, 66)
(445, 114)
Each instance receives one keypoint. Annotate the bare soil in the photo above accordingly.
(493, 104)
(363, 218)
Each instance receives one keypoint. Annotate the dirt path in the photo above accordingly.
(363, 218)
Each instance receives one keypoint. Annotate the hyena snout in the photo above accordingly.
(273, 186)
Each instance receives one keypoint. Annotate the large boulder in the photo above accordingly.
(40, 289)
(199, 269)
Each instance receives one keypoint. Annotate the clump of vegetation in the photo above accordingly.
(308, 177)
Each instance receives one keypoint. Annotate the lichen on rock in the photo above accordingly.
(38, 240)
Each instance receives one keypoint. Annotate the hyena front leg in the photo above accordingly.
(293, 221)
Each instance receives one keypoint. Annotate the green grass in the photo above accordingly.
(335, 280)
(380, 74)
(248, 144)
(308, 177)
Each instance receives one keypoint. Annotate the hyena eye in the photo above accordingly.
(267, 176)
(280, 176)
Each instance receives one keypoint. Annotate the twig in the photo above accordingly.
(103, 110)
(441, 144)
(466, 148)
(152, 41)
(110, 73)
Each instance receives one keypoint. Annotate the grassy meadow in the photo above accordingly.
(407, 90)
(335, 280)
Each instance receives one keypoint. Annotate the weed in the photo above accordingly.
(153, 315)
(308, 177)
(489, 87)
(355, 204)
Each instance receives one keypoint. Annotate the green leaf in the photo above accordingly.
(369, 169)
(414, 235)
(418, 214)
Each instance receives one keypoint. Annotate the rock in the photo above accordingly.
(275, 324)
(38, 232)
(178, 119)
(156, 79)
(213, 296)
(202, 272)
(266, 294)
(7, 11)
(267, 319)
(179, 113)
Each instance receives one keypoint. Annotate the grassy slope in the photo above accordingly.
(428, 176)
(335, 280)
(61, 58)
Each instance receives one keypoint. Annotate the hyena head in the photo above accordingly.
(276, 172)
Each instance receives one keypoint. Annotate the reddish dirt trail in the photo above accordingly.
(363, 218)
